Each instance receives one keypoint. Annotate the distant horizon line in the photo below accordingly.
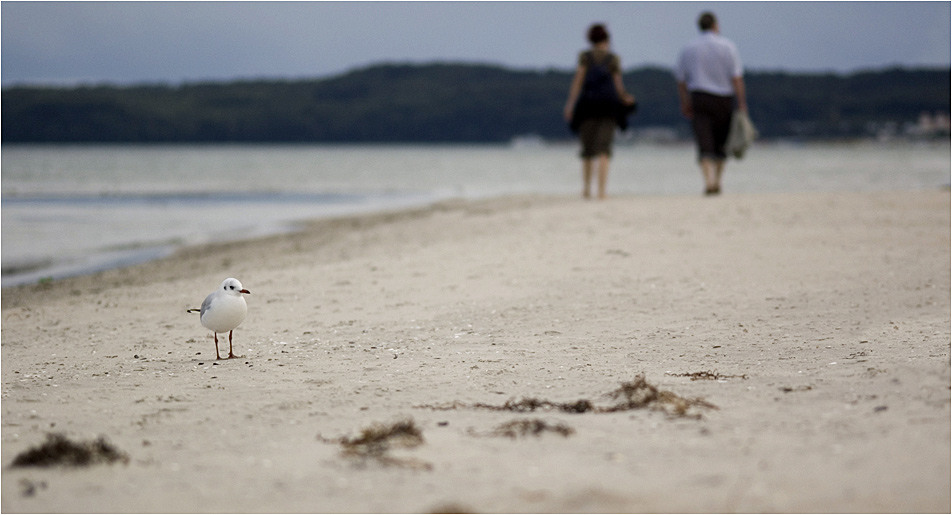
(93, 83)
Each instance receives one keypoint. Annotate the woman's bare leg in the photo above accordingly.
(586, 178)
(603, 162)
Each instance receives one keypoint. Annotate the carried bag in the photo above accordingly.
(742, 134)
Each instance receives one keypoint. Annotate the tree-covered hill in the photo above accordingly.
(444, 103)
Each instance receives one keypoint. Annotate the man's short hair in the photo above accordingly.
(707, 21)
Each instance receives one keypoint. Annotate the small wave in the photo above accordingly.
(47, 270)
(108, 199)
(25, 267)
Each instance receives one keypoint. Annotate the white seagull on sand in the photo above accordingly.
(223, 310)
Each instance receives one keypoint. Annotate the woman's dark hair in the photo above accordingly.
(597, 34)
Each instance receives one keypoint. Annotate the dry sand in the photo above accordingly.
(827, 317)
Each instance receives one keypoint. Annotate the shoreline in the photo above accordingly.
(170, 261)
(129, 252)
(46, 271)
(817, 324)
(66, 202)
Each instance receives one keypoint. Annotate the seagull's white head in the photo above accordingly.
(233, 286)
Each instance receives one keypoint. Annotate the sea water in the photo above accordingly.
(69, 210)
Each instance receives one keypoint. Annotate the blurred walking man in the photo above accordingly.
(710, 81)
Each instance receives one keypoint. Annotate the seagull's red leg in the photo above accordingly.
(231, 353)
(217, 355)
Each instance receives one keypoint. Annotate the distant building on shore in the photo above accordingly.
(930, 125)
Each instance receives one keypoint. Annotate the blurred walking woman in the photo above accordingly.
(596, 105)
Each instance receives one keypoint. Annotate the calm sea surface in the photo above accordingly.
(70, 210)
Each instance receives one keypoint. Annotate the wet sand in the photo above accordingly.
(812, 329)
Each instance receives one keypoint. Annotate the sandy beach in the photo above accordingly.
(806, 335)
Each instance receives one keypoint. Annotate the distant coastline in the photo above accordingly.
(460, 103)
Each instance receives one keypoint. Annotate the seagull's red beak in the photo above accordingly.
(245, 291)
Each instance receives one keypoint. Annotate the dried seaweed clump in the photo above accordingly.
(639, 393)
(451, 508)
(531, 427)
(59, 450)
(376, 441)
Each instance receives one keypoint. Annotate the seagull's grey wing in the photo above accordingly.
(206, 304)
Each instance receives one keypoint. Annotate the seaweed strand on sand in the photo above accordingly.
(630, 395)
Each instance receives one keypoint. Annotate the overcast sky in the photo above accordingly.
(174, 42)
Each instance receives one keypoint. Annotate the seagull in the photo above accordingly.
(223, 310)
